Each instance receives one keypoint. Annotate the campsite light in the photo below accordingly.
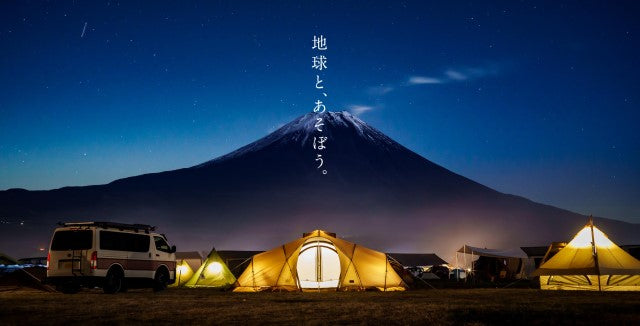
(182, 269)
(48, 259)
(214, 268)
(94, 260)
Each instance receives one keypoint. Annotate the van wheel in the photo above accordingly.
(161, 280)
(113, 281)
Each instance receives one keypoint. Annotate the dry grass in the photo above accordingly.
(203, 306)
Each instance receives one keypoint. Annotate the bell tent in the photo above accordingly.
(213, 273)
(319, 261)
(590, 262)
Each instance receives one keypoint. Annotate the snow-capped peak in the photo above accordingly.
(307, 123)
(302, 128)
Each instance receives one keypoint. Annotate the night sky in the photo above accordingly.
(538, 99)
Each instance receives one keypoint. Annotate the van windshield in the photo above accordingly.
(72, 240)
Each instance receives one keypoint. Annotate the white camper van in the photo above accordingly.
(113, 256)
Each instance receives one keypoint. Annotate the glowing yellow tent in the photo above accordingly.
(590, 262)
(319, 261)
(213, 273)
(184, 273)
(186, 263)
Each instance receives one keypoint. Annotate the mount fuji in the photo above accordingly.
(376, 192)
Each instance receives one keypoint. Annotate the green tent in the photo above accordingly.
(213, 273)
(184, 273)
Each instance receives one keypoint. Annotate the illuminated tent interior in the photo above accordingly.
(319, 261)
(186, 264)
(213, 273)
(590, 262)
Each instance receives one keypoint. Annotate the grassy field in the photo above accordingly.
(203, 306)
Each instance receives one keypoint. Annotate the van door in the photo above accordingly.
(164, 255)
(140, 263)
(68, 254)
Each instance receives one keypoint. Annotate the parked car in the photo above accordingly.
(113, 256)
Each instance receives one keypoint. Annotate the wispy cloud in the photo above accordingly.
(471, 73)
(451, 75)
(447, 76)
(359, 109)
(419, 80)
(455, 75)
(380, 90)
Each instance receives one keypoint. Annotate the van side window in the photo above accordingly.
(124, 241)
(161, 244)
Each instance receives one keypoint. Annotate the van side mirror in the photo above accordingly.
(173, 249)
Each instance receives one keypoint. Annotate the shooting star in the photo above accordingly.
(83, 30)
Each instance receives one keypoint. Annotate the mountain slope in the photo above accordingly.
(376, 192)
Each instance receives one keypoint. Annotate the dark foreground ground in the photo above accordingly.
(203, 306)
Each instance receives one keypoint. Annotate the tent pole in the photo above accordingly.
(457, 264)
(180, 273)
(353, 253)
(595, 252)
(464, 263)
(427, 283)
(253, 275)
(318, 264)
(468, 270)
(386, 270)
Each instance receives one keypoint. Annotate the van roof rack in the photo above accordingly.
(122, 226)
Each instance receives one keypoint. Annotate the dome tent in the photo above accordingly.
(590, 262)
(319, 261)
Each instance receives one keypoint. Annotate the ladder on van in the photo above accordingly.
(76, 261)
